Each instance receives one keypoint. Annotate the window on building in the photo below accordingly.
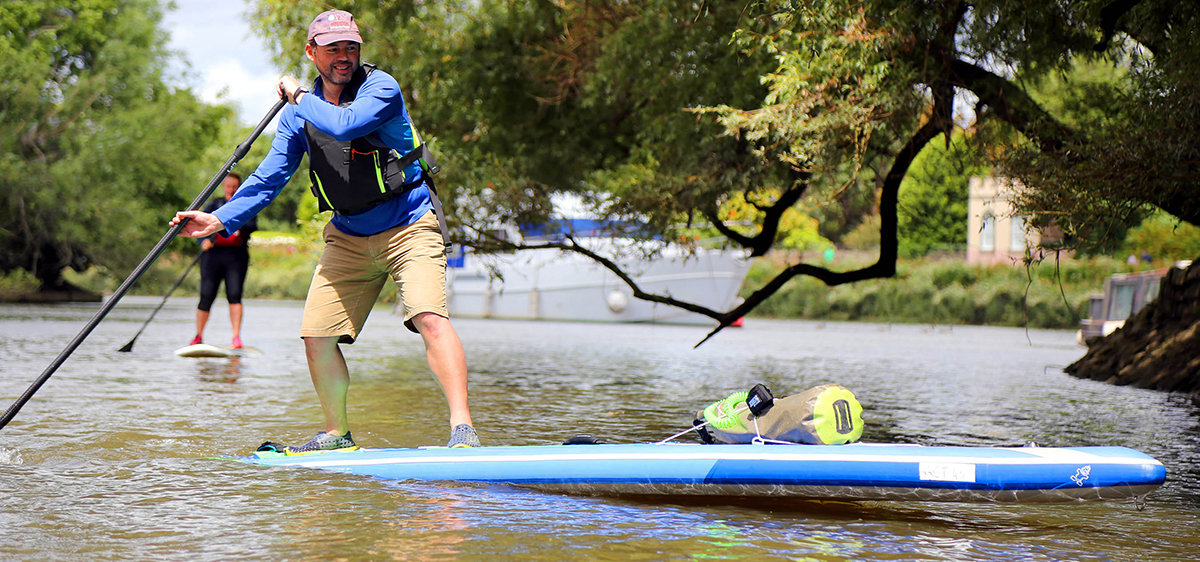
(1017, 244)
(987, 234)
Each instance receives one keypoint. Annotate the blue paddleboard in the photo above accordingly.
(859, 471)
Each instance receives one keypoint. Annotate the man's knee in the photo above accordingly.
(431, 324)
(320, 348)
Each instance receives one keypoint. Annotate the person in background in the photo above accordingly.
(368, 165)
(227, 258)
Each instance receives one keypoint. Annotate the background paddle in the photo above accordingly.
(129, 346)
(108, 305)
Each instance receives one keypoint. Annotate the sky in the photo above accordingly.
(227, 62)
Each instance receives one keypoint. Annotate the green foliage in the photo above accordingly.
(1166, 238)
(1135, 119)
(672, 112)
(525, 99)
(280, 272)
(865, 236)
(947, 292)
(285, 211)
(932, 214)
(17, 283)
(95, 150)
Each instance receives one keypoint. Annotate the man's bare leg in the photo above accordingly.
(331, 379)
(448, 361)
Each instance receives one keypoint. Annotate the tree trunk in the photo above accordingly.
(1159, 347)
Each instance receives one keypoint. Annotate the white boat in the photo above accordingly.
(552, 284)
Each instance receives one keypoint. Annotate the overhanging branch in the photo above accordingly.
(608, 264)
(885, 266)
(1109, 16)
(761, 243)
(1011, 104)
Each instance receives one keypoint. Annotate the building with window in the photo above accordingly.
(994, 233)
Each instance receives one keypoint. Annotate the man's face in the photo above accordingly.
(230, 184)
(336, 62)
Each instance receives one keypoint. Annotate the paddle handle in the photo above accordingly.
(107, 306)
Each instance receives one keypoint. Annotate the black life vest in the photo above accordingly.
(349, 177)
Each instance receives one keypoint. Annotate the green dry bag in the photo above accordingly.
(825, 415)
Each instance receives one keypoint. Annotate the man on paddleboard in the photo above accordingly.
(225, 258)
(368, 165)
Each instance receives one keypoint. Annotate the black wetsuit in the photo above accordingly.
(228, 260)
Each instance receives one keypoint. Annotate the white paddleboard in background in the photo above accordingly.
(206, 350)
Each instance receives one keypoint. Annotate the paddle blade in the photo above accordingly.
(128, 347)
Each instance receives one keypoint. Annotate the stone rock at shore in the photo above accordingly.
(1157, 348)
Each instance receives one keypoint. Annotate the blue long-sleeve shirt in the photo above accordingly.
(378, 107)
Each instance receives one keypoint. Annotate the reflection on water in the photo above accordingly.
(114, 457)
(219, 370)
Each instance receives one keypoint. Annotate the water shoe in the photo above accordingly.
(237, 342)
(463, 436)
(197, 340)
(322, 443)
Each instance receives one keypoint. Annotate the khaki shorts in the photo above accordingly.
(353, 270)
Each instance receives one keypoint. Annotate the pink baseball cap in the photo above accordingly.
(333, 26)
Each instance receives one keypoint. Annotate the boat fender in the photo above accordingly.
(617, 301)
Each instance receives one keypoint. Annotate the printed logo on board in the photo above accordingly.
(1081, 474)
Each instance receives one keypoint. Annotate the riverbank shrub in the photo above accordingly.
(929, 291)
(1040, 295)
(281, 268)
(1164, 238)
(16, 283)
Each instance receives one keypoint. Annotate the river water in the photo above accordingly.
(112, 459)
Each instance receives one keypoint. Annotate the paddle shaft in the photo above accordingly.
(108, 305)
(129, 346)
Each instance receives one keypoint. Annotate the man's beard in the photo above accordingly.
(329, 75)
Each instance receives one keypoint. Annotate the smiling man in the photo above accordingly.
(367, 164)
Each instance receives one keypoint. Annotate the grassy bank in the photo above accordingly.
(931, 291)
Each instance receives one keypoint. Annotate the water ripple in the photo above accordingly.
(119, 456)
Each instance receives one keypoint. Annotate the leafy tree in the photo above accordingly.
(887, 72)
(932, 208)
(1126, 143)
(670, 112)
(1164, 237)
(95, 149)
(285, 211)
